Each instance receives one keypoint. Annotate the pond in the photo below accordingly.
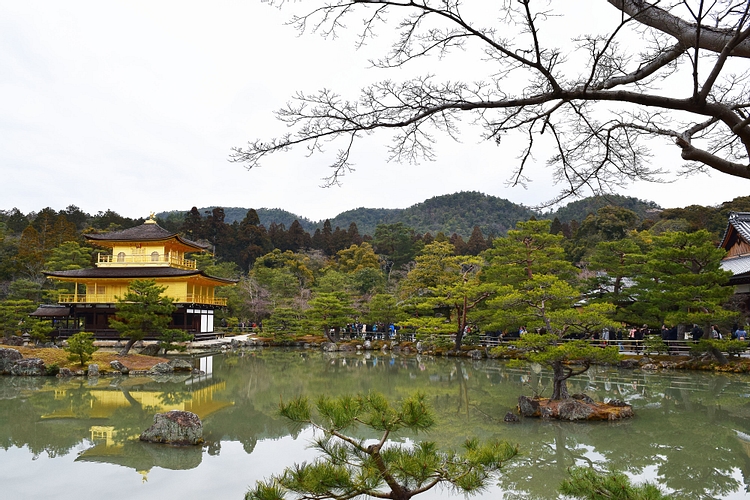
(77, 439)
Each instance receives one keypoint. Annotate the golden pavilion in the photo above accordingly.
(147, 251)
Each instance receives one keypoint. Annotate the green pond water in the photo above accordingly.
(77, 439)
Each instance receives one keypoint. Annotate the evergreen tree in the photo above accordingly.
(143, 310)
(81, 347)
(330, 311)
(252, 240)
(353, 234)
(534, 289)
(587, 484)
(477, 242)
(350, 468)
(297, 239)
(193, 226)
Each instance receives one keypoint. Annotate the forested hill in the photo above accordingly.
(580, 209)
(453, 213)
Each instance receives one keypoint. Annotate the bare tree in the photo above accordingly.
(675, 69)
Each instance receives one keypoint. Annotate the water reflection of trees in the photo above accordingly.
(685, 430)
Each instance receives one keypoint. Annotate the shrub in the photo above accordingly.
(81, 347)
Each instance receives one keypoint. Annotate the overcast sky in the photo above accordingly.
(134, 105)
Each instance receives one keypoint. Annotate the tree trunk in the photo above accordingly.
(720, 358)
(127, 347)
(559, 382)
(459, 340)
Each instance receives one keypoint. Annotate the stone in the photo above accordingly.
(629, 364)
(617, 402)
(65, 372)
(150, 350)
(161, 368)
(14, 341)
(650, 367)
(117, 365)
(181, 365)
(476, 354)
(419, 346)
(28, 367)
(175, 427)
(573, 409)
(329, 347)
(528, 407)
(583, 397)
(511, 417)
(93, 370)
(8, 358)
(367, 345)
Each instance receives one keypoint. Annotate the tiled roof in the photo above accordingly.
(132, 273)
(51, 311)
(144, 232)
(740, 222)
(737, 265)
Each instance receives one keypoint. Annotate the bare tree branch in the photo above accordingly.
(599, 114)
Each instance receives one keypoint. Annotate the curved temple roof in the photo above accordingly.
(149, 231)
(134, 273)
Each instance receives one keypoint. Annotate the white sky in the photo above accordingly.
(134, 105)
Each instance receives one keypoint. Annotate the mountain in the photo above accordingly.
(452, 213)
(579, 209)
(267, 216)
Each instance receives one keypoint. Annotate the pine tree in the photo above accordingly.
(143, 310)
(350, 467)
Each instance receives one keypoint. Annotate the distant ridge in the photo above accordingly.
(453, 213)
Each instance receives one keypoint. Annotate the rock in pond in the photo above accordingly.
(175, 427)
(181, 365)
(161, 369)
(117, 365)
(8, 358)
(573, 409)
(28, 367)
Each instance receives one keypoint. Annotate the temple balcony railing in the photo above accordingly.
(145, 260)
(106, 298)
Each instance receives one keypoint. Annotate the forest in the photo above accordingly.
(595, 263)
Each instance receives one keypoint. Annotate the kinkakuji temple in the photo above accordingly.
(147, 251)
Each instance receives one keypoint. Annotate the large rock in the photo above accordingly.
(93, 370)
(573, 409)
(161, 368)
(14, 341)
(476, 354)
(181, 365)
(117, 365)
(175, 427)
(28, 367)
(150, 350)
(8, 358)
(329, 347)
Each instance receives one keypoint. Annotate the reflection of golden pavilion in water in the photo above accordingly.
(109, 445)
(104, 402)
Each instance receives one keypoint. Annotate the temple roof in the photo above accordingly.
(737, 226)
(51, 311)
(149, 231)
(133, 273)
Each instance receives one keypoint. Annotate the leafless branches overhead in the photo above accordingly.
(673, 69)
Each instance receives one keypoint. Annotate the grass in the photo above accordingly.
(102, 358)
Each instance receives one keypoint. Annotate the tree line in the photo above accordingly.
(291, 281)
